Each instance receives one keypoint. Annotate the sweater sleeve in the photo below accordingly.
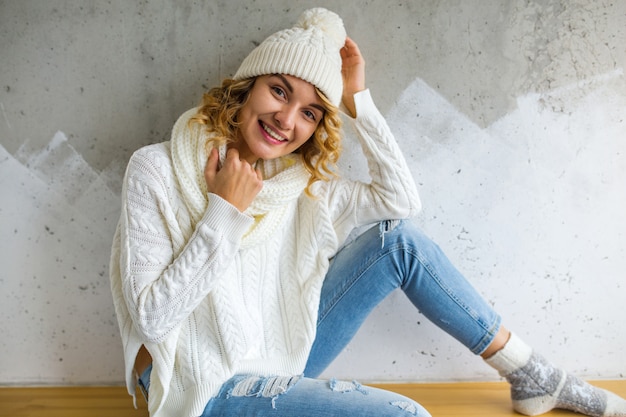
(160, 286)
(391, 193)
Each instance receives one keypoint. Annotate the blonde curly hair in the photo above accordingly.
(218, 114)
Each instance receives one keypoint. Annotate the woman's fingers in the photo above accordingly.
(353, 73)
(236, 181)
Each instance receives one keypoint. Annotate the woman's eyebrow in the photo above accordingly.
(319, 107)
(287, 83)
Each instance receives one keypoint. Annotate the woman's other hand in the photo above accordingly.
(236, 181)
(353, 73)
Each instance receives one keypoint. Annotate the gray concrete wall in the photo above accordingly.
(511, 115)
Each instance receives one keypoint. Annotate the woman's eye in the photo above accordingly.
(279, 91)
(310, 114)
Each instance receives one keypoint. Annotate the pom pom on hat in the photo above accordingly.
(309, 50)
(326, 21)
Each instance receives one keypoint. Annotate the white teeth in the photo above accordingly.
(272, 133)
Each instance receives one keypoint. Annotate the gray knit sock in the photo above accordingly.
(537, 386)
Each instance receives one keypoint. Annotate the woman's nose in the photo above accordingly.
(286, 117)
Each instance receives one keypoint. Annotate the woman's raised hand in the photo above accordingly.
(353, 73)
(236, 181)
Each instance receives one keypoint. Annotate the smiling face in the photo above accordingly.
(281, 114)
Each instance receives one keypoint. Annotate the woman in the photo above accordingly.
(242, 265)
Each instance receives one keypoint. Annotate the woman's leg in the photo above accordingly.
(246, 395)
(275, 396)
(397, 255)
(537, 386)
(381, 260)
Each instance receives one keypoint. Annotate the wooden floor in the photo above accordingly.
(442, 400)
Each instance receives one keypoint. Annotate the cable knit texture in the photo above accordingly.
(309, 50)
(212, 292)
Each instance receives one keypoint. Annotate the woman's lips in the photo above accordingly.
(270, 134)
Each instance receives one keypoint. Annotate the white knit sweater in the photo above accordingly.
(212, 292)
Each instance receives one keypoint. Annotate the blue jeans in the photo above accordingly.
(397, 255)
(254, 396)
(391, 256)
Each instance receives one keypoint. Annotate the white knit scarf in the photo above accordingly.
(284, 181)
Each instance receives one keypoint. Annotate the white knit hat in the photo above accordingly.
(309, 50)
